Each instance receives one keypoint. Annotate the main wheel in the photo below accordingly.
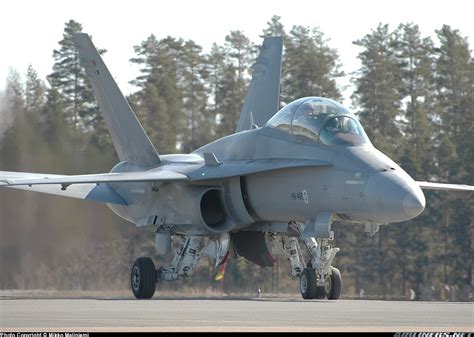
(143, 278)
(336, 284)
(308, 283)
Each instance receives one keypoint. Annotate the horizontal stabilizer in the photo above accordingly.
(457, 189)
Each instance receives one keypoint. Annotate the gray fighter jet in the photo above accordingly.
(280, 180)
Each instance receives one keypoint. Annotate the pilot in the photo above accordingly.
(307, 116)
(304, 121)
(333, 125)
(330, 130)
(308, 110)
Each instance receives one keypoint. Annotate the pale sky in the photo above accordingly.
(30, 30)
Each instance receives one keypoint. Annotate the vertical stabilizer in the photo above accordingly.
(262, 99)
(130, 140)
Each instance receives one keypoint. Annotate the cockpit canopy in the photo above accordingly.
(319, 119)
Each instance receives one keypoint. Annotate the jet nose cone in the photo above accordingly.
(393, 197)
(414, 204)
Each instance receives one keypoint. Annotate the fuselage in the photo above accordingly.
(360, 185)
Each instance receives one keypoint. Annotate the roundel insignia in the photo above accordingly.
(305, 197)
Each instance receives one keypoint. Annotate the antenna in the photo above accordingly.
(252, 123)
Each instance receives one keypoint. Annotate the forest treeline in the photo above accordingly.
(413, 94)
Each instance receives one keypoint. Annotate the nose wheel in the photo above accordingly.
(308, 283)
(143, 278)
(335, 289)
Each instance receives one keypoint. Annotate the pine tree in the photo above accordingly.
(35, 91)
(274, 27)
(455, 103)
(215, 70)
(13, 107)
(11, 100)
(53, 123)
(379, 100)
(414, 55)
(158, 100)
(193, 72)
(69, 78)
(15, 92)
(230, 97)
(239, 53)
(311, 66)
(376, 93)
(455, 98)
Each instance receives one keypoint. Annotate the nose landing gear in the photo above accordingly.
(328, 280)
(310, 289)
(319, 280)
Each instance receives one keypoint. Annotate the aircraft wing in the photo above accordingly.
(87, 186)
(262, 98)
(94, 178)
(457, 189)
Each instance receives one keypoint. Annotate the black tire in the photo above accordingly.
(336, 284)
(143, 278)
(320, 293)
(308, 283)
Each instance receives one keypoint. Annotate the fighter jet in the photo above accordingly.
(279, 181)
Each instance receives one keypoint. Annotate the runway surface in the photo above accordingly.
(238, 314)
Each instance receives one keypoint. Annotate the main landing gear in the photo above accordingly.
(144, 275)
